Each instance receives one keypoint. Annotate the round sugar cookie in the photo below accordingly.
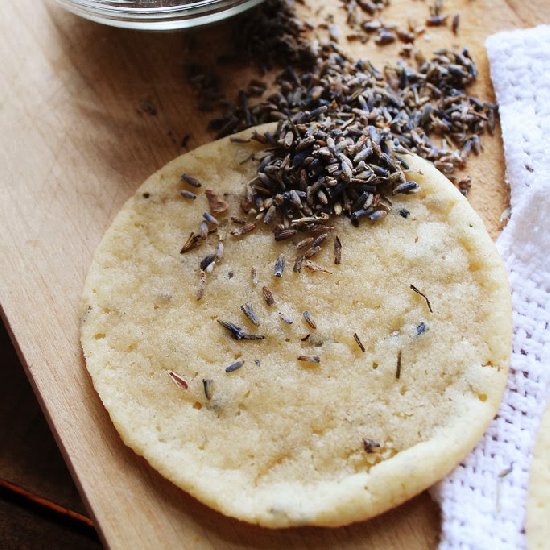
(538, 503)
(340, 436)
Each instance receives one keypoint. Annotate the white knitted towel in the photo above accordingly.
(483, 500)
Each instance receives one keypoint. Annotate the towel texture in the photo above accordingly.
(483, 500)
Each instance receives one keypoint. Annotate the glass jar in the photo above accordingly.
(157, 14)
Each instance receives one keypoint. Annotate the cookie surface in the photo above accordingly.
(538, 503)
(280, 441)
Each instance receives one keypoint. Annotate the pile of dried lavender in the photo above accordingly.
(335, 166)
(362, 16)
(342, 129)
(414, 106)
(427, 110)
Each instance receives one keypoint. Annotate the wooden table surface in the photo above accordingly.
(75, 143)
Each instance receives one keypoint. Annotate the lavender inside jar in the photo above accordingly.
(158, 15)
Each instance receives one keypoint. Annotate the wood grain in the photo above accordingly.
(29, 457)
(74, 146)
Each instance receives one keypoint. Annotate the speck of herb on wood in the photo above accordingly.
(148, 107)
(185, 140)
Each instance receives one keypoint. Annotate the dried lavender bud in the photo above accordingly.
(279, 266)
(247, 309)
(309, 358)
(178, 380)
(421, 329)
(285, 234)
(286, 319)
(192, 242)
(369, 445)
(268, 296)
(187, 194)
(436, 20)
(312, 266)
(202, 285)
(309, 319)
(207, 261)
(190, 180)
(337, 250)
(455, 23)
(238, 333)
(234, 366)
(208, 387)
(242, 230)
(359, 343)
(398, 366)
(208, 218)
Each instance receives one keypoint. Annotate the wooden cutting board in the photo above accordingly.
(76, 141)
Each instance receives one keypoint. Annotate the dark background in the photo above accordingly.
(33, 475)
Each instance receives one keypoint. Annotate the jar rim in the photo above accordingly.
(180, 15)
